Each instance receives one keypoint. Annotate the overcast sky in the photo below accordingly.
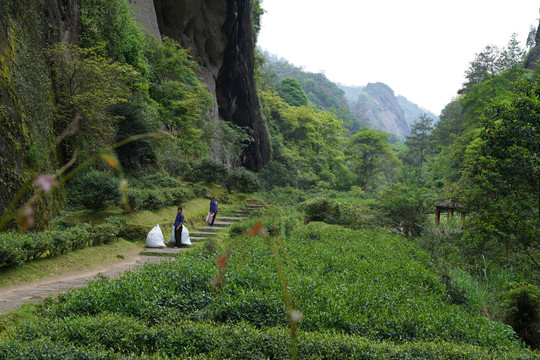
(420, 48)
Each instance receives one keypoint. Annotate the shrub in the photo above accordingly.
(521, 308)
(11, 252)
(354, 216)
(154, 181)
(406, 207)
(93, 190)
(134, 232)
(275, 174)
(207, 171)
(284, 196)
(242, 180)
(153, 199)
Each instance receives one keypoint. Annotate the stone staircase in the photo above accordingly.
(201, 233)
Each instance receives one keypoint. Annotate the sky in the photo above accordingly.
(420, 48)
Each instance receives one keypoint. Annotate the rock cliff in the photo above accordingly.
(378, 103)
(220, 36)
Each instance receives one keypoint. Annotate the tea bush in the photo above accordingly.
(354, 216)
(16, 249)
(367, 283)
(110, 336)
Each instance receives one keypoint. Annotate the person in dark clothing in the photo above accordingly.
(178, 224)
(213, 209)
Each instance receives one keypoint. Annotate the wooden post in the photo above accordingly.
(437, 216)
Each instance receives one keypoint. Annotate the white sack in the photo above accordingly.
(172, 240)
(155, 238)
(185, 237)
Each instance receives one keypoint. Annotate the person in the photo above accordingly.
(213, 209)
(178, 224)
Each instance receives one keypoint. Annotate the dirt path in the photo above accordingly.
(13, 297)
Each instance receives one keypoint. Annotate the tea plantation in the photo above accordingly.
(362, 294)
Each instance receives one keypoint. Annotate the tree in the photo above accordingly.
(483, 67)
(182, 98)
(406, 207)
(502, 179)
(512, 55)
(292, 92)
(418, 144)
(86, 85)
(369, 155)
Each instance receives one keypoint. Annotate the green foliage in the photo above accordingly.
(354, 216)
(307, 143)
(153, 180)
(206, 340)
(207, 171)
(501, 180)
(418, 146)
(182, 99)
(242, 180)
(284, 196)
(275, 174)
(158, 198)
(406, 207)
(132, 119)
(110, 23)
(16, 249)
(521, 308)
(369, 156)
(86, 84)
(94, 190)
(292, 93)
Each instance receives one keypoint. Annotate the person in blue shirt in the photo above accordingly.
(213, 209)
(178, 224)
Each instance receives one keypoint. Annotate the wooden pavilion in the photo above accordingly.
(450, 208)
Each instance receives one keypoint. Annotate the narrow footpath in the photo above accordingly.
(13, 297)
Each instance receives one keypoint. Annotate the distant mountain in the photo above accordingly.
(413, 111)
(374, 105)
(378, 104)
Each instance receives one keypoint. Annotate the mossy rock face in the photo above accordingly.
(27, 125)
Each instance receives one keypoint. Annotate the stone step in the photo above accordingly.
(210, 228)
(196, 238)
(241, 212)
(223, 223)
(201, 233)
(230, 218)
(254, 206)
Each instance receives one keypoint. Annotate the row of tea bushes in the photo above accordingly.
(16, 248)
(367, 283)
(114, 336)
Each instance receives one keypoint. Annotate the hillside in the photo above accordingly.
(319, 291)
(374, 105)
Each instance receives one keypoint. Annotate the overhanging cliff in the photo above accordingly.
(220, 36)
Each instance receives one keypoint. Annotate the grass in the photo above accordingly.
(83, 259)
(194, 210)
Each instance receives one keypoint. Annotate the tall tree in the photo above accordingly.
(484, 66)
(502, 180)
(292, 92)
(418, 144)
(369, 155)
